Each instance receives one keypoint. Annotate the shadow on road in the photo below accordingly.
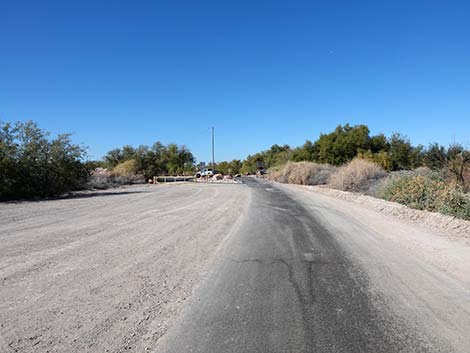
(77, 195)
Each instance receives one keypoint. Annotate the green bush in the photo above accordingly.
(225, 167)
(33, 165)
(428, 192)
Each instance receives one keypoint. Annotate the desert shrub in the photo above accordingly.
(34, 165)
(125, 169)
(458, 166)
(455, 202)
(99, 182)
(381, 158)
(131, 179)
(127, 173)
(428, 192)
(303, 173)
(123, 174)
(278, 173)
(419, 192)
(102, 182)
(358, 175)
(100, 178)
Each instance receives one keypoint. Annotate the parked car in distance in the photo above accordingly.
(205, 172)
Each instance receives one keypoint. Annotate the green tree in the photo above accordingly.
(402, 154)
(233, 167)
(307, 152)
(435, 156)
(379, 143)
(113, 158)
(155, 160)
(9, 169)
(343, 144)
(276, 155)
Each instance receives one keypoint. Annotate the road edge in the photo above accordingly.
(444, 225)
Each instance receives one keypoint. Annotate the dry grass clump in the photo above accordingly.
(123, 174)
(125, 169)
(303, 173)
(358, 175)
(127, 173)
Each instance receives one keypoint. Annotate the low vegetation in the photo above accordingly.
(359, 175)
(428, 192)
(233, 167)
(303, 173)
(421, 188)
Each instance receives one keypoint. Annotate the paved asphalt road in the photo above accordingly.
(286, 284)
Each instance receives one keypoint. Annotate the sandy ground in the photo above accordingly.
(108, 272)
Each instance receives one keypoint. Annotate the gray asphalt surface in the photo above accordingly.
(288, 284)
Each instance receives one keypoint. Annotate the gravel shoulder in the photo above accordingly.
(416, 273)
(108, 271)
(446, 249)
(442, 224)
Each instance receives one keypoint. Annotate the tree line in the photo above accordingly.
(347, 142)
(158, 159)
(32, 164)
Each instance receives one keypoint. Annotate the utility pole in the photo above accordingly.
(213, 159)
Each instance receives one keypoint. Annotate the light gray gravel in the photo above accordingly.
(110, 272)
(437, 222)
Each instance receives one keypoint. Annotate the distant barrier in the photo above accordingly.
(172, 179)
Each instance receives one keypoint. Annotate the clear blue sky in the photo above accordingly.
(261, 72)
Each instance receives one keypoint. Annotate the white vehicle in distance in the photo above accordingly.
(205, 172)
